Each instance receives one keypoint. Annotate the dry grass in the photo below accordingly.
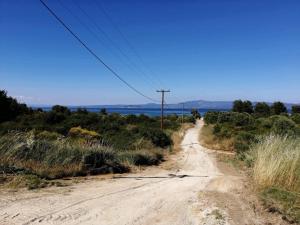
(178, 136)
(209, 140)
(277, 162)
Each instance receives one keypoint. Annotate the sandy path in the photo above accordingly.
(154, 196)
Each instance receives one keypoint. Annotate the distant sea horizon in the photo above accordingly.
(139, 111)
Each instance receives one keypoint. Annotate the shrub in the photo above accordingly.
(211, 117)
(284, 126)
(142, 157)
(296, 118)
(224, 117)
(242, 119)
(242, 142)
(48, 135)
(222, 131)
(55, 117)
(264, 123)
(80, 132)
(157, 137)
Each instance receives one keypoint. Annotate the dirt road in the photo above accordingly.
(154, 196)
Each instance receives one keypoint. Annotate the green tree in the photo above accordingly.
(242, 106)
(278, 107)
(195, 114)
(262, 109)
(103, 111)
(61, 109)
(238, 106)
(10, 108)
(295, 109)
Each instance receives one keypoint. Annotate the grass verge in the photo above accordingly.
(210, 141)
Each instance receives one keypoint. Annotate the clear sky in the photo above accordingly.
(205, 49)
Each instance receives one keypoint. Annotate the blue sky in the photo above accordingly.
(210, 50)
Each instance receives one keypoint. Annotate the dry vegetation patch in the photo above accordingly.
(209, 140)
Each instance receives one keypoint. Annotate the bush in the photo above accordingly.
(141, 158)
(157, 137)
(284, 126)
(80, 132)
(211, 117)
(242, 142)
(55, 117)
(242, 119)
(296, 118)
(47, 135)
(224, 117)
(222, 131)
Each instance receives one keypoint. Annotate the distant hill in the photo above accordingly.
(199, 104)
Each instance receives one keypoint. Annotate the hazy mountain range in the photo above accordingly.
(199, 104)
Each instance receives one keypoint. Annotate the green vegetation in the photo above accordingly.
(283, 202)
(267, 139)
(62, 143)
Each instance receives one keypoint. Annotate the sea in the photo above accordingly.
(139, 111)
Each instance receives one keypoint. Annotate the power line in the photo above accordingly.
(94, 54)
(101, 8)
(131, 64)
(95, 34)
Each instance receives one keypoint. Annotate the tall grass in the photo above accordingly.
(28, 153)
(276, 162)
(23, 151)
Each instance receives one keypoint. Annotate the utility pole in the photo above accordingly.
(182, 113)
(162, 91)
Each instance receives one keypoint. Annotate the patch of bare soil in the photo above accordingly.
(232, 199)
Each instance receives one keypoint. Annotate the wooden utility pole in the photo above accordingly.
(162, 91)
(182, 113)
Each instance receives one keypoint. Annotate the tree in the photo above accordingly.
(242, 106)
(61, 109)
(238, 106)
(295, 109)
(82, 111)
(262, 109)
(103, 111)
(248, 107)
(195, 114)
(278, 108)
(10, 108)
